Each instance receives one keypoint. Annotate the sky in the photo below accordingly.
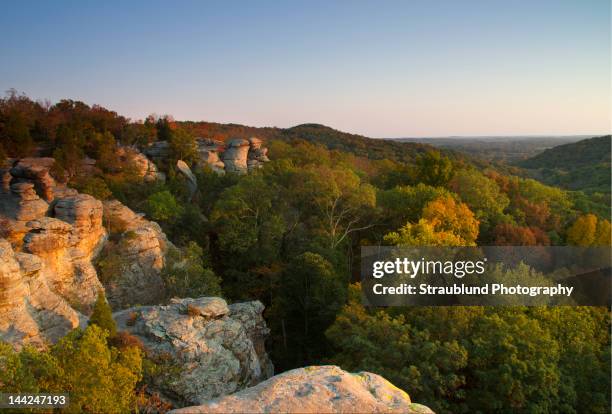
(378, 68)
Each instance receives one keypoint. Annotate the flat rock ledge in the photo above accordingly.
(315, 389)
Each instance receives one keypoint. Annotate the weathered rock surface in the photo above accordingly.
(258, 155)
(47, 278)
(208, 151)
(236, 155)
(141, 249)
(32, 313)
(315, 389)
(158, 151)
(144, 167)
(192, 182)
(217, 348)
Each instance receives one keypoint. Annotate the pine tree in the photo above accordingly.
(103, 316)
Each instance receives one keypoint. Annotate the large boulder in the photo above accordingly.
(236, 155)
(208, 154)
(216, 349)
(315, 389)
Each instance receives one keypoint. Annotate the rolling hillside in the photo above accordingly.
(583, 165)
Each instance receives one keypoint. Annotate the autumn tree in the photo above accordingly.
(448, 215)
(481, 194)
(422, 233)
(582, 231)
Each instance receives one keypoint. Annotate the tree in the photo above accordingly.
(448, 215)
(162, 206)
(430, 369)
(582, 232)
(602, 233)
(340, 198)
(422, 233)
(481, 194)
(512, 235)
(98, 378)
(102, 315)
(405, 203)
(184, 274)
(309, 296)
(182, 146)
(434, 169)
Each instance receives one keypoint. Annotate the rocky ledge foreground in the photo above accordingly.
(208, 348)
(315, 389)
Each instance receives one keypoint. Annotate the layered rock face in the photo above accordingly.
(142, 248)
(47, 278)
(32, 313)
(315, 389)
(218, 349)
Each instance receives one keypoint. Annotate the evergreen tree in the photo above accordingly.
(102, 315)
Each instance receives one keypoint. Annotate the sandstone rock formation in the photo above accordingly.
(208, 154)
(218, 349)
(192, 182)
(142, 165)
(32, 313)
(236, 155)
(315, 389)
(158, 151)
(140, 249)
(47, 278)
(258, 155)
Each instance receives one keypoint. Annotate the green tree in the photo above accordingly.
(309, 295)
(405, 203)
(162, 206)
(102, 315)
(182, 146)
(428, 368)
(98, 378)
(433, 168)
(184, 274)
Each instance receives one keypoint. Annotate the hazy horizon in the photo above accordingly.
(390, 70)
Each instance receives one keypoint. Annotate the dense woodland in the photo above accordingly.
(289, 235)
(583, 165)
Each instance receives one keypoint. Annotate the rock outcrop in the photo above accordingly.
(32, 313)
(218, 349)
(208, 154)
(258, 155)
(315, 389)
(50, 236)
(140, 251)
(236, 155)
(144, 167)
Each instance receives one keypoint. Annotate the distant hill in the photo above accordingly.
(510, 149)
(358, 145)
(583, 165)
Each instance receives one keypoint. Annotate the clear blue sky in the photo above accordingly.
(383, 69)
